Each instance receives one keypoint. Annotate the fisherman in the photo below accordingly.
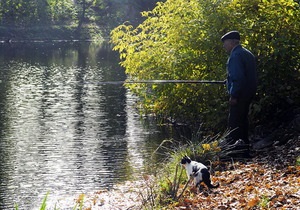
(241, 85)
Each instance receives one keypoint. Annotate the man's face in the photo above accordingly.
(227, 44)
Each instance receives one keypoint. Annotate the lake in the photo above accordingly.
(64, 128)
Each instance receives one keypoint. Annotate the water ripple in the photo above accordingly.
(62, 132)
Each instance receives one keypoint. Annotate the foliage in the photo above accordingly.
(22, 12)
(85, 19)
(62, 11)
(181, 40)
(106, 13)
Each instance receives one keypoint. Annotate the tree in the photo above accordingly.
(62, 12)
(103, 12)
(181, 40)
(42, 11)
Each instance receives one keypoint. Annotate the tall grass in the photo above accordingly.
(43, 206)
(79, 203)
(170, 182)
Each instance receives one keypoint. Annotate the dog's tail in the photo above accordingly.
(206, 178)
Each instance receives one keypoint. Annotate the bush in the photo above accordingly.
(181, 40)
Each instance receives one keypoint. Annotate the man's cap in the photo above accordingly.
(231, 35)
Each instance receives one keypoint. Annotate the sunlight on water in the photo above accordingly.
(61, 131)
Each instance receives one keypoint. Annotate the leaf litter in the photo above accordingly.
(271, 180)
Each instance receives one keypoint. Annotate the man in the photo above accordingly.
(241, 85)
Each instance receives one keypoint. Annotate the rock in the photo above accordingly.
(263, 143)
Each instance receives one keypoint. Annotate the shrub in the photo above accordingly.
(181, 40)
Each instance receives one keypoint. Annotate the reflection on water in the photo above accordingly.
(61, 131)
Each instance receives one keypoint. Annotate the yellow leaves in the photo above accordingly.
(80, 198)
(206, 146)
(211, 147)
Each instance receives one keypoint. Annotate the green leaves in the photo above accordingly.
(169, 44)
(181, 40)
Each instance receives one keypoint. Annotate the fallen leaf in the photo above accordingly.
(253, 202)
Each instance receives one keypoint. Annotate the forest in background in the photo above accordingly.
(67, 19)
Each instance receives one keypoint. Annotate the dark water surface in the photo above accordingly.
(61, 131)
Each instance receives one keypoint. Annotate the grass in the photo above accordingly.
(264, 201)
(170, 182)
(298, 161)
(79, 203)
(44, 205)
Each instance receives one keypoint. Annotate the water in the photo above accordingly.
(62, 131)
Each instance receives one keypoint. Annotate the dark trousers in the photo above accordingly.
(238, 122)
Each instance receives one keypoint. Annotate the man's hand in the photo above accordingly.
(232, 101)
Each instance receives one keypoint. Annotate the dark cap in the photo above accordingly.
(231, 35)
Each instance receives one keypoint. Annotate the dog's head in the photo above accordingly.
(185, 160)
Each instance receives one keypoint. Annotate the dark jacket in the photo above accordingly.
(241, 73)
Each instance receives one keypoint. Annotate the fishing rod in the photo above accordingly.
(163, 82)
(178, 81)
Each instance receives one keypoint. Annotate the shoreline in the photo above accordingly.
(10, 34)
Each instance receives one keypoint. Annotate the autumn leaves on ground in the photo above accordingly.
(271, 180)
(254, 185)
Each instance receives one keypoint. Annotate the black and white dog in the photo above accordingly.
(197, 170)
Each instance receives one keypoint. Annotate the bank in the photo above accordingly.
(93, 32)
